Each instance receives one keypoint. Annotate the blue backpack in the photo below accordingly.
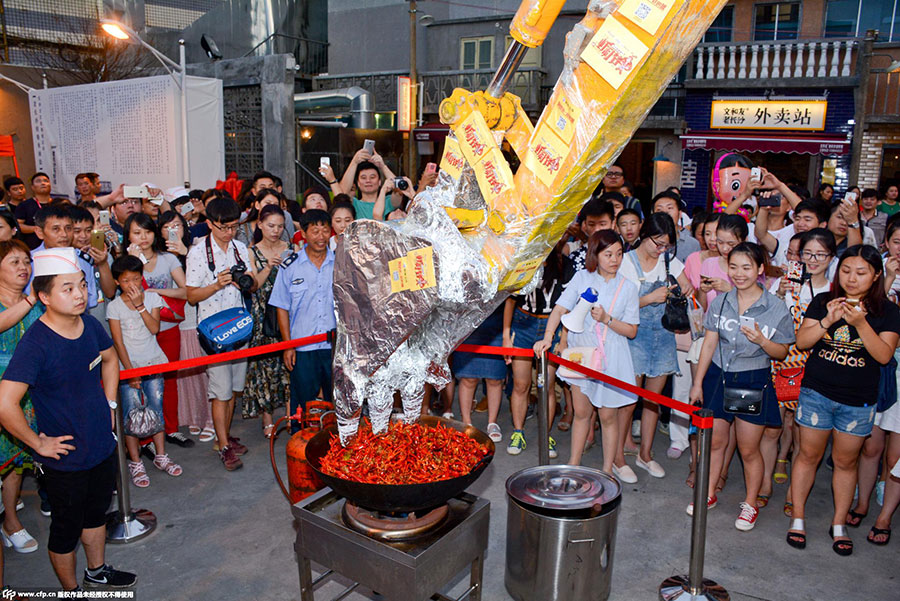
(225, 331)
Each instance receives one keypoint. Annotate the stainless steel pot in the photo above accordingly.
(560, 533)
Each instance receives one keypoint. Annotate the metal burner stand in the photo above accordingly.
(400, 571)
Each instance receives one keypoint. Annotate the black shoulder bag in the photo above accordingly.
(737, 400)
(675, 319)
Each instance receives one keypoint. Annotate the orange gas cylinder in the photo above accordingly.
(302, 480)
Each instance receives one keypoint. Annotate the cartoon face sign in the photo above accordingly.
(730, 176)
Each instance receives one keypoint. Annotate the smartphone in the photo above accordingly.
(98, 240)
(324, 162)
(136, 192)
(795, 271)
(369, 146)
(756, 173)
(103, 217)
(853, 302)
(773, 200)
(748, 322)
(186, 208)
(431, 168)
(706, 280)
(850, 196)
(173, 235)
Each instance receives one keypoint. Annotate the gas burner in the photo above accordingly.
(392, 526)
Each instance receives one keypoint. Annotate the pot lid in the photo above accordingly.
(564, 488)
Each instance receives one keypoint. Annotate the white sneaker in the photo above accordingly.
(625, 474)
(447, 415)
(674, 452)
(494, 432)
(652, 467)
(747, 518)
(21, 541)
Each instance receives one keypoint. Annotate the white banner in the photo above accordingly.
(129, 132)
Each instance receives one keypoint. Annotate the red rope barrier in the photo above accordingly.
(504, 351)
(700, 422)
(265, 349)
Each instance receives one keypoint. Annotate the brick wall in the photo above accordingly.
(870, 160)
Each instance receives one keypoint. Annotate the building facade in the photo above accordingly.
(816, 70)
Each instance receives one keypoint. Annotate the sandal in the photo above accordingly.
(885, 532)
(781, 477)
(207, 434)
(194, 430)
(854, 519)
(841, 547)
(720, 485)
(564, 424)
(165, 464)
(796, 536)
(632, 450)
(139, 475)
(690, 479)
(762, 501)
(269, 431)
(789, 509)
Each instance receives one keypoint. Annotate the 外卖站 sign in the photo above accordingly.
(797, 115)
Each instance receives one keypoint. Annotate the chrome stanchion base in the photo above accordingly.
(677, 588)
(138, 524)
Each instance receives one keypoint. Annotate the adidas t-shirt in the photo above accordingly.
(839, 366)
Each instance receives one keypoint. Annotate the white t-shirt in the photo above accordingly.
(806, 295)
(657, 274)
(143, 350)
(783, 236)
(198, 275)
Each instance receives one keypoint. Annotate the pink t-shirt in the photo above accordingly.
(711, 269)
(692, 268)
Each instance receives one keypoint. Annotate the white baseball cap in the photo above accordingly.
(55, 261)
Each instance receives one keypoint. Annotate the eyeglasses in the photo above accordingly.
(615, 173)
(661, 246)
(226, 228)
(808, 256)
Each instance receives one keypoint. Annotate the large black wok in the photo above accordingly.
(399, 497)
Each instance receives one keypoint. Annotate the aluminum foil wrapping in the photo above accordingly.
(407, 292)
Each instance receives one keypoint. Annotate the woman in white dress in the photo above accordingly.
(611, 321)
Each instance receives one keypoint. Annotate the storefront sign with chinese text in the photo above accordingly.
(799, 115)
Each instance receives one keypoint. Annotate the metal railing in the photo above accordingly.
(437, 85)
(788, 59)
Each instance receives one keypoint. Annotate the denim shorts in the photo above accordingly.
(473, 365)
(530, 329)
(756, 379)
(815, 410)
(152, 387)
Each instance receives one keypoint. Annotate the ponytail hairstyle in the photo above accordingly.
(754, 252)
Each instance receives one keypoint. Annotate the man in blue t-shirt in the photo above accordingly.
(67, 363)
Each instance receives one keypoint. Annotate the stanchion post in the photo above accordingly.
(694, 587)
(543, 409)
(126, 525)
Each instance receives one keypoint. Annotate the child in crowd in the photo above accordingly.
(134, 322)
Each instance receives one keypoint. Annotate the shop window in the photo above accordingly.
(476, 53)
(779, 21)
(721, 28)
(881, 15)
(890, 167)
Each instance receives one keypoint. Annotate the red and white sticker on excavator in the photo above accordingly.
(415, 271)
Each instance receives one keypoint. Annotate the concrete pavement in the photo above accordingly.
(229, 536)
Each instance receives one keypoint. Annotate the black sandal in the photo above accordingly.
(879, 532)
(797, 539)
(855, 519)
(841, 547)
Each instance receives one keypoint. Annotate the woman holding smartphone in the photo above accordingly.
(746, 328)
(852, 331)
(653, 348)
(816, 248)
(268, 382)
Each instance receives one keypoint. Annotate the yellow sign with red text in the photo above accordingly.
(614, 52)
(646, 14)
(452, 162)
(545, 156)
(415, 271)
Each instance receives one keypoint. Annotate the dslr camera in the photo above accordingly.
(240, 277)
(400, 183)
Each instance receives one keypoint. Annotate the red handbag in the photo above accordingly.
(787, 383)
(173, 312)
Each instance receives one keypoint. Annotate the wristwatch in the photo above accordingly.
(112, 404)
(854, 225)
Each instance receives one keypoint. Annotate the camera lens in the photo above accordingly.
(401, 184)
